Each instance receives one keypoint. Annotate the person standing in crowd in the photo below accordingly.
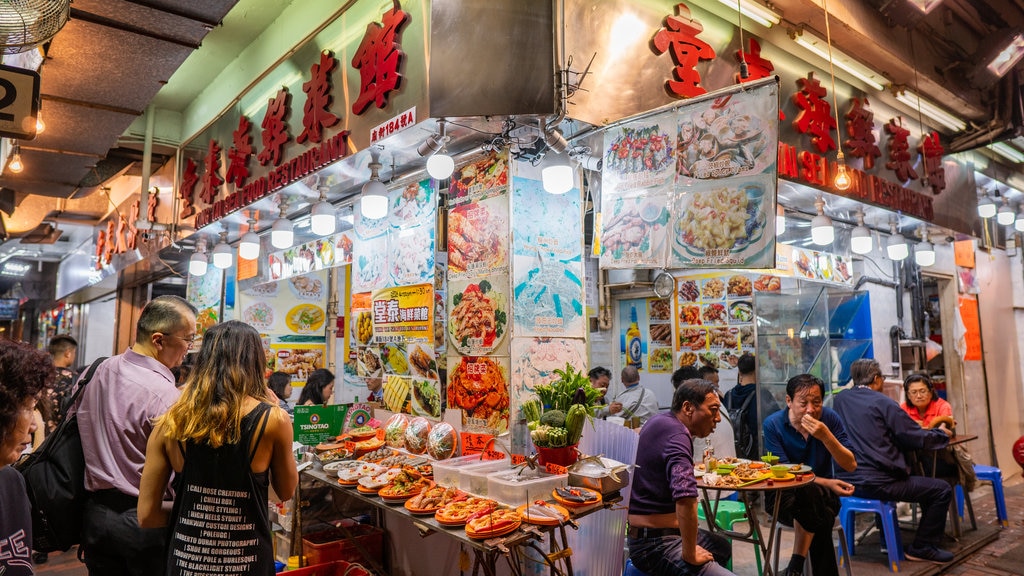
(633, 402)
(883, 432)
(319, 388)
(25, 373)
(740, 404)
(115, 417)
(684, 373)
(226, 445)
(709, 373)
(281, 385)
(807, 432)
(600, 378)
(63, 349)
(663, 536)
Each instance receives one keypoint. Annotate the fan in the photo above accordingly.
(25, 24)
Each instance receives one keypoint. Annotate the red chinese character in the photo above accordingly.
(211, 180)
(815, 115)
(378, 58)
(275, 129)
(108, 250)
(239, 153)
(931, 151)
(101, 248)
(899, 152)
(133, 233)
(316, 114)
(187, 191)
(680, 34)
(860, 127)
(151, 205)
(757, 67)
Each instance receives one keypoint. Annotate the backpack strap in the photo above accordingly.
(80, 386)
(636, 405)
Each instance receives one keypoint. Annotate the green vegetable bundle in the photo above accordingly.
(556, 417)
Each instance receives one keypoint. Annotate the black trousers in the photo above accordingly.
(114, 544)
(815, 508)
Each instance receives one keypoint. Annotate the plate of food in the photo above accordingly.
(432, 499)
(422, 362)
(306, 319)
(259, 315)
(307, 286)
(488, 172)
(688, 290)
(739, 285)
(368, 363)
(712, 289)
(714, 313)
(362, 328)
(412, 204)
(403, 486)
(689, 314)
(768, 283)
(495, 523)
(741, 312)
(325, 252)
(477, 237)
(396, 393)
(661, 333)
(394, 430)
(416, 435)
(693, 338)
(479, 385)
(412, 255)
(574, 496)
(799, 468)
(543, 513)
(394, 359)
(456, 513)
(478, 318)
(426, 398)
(362, 433)
(687, 358)
(724, 219)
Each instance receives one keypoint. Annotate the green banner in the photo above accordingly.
(314, 424)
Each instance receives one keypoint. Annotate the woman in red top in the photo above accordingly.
(924, 405)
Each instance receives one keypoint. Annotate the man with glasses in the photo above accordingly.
(807, 432)
(115, 418)
(880, 433)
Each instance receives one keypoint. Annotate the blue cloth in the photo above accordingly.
(881, 434)
(663, 556)
(784, 441)
(664, 472)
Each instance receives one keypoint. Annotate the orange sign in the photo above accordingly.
(972, 335)
(475, 443)
(963, 253)
(555, 469)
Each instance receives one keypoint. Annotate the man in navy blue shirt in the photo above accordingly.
(807, 432)
(880, 432)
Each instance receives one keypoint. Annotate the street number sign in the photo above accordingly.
(19, 102)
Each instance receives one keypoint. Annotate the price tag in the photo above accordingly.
(350, 446)
(518, 459)
(555, 469)
(380, 434)
(475, 443)
(493, 455)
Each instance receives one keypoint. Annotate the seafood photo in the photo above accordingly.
(477, 238)
(478, 318)
(479, 386)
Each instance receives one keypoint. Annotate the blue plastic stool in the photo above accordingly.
(890, 525)
(995, 476)
(631, 570)
(730, 512)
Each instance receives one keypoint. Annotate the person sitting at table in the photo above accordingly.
(923, 405)
(883, 432)
(663, 536)
(600, 377)
(806, 432)
(635, 401)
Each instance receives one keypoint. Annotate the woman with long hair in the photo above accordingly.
(319, 388)
(226, 444)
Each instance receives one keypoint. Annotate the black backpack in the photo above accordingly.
(745, 439)
(55, 480)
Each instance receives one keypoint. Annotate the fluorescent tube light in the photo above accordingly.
(932, 111)
(1007, 57)
(925, 6)
(754, 11)
(1008, 152)
(841, 60)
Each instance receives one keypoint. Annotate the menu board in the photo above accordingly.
(478, 313)
(659, 331)
(204, 292)
(814, 265)
(536, 359)
(547, 246)
(402, 314)
(479, 385)
(297, 360)
(634, 227)
(319, 254)
(293, 306)
(370, 263)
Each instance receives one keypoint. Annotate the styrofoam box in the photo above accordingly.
(446, 472)
(510, 487)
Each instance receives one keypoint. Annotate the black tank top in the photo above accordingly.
(219, 521)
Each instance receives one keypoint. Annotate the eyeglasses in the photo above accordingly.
(918, 392)
(190, 340)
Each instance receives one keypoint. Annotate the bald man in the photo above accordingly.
(634, 401)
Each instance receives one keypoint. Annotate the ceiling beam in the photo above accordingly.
(84, 16)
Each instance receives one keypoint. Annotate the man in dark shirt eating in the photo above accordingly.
(664, 539)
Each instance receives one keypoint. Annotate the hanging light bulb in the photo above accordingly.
(249, 247)
(924, 252)
(896, 248)
(373, 204)
(780, 220)
(197, 264)
(439, 165)
(1018, 225)
(322, 217)
(860, 237)
(15, 165)
(40, 125)
(842, 180)
(222, 254)
(986, 207)
(822, 231)
(1005, 216)
(558, 176)
(281, 232)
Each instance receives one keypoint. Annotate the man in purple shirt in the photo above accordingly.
(115, 418)
(664, 539)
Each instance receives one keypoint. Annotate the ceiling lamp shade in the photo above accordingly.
(1005, 216)
(322, 217)
(249, 247)
(282, 234)
(860, 237)
(986, 207)
(1018, 224)
(439, 165)
(197, 264)
(780, 220)
(924, 253)
(822, 231)
(373, 204)
(897, 248)
(558, 176)
(223, 256)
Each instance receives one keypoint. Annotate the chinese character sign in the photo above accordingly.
(899, 151)
(378, 59)
(275, 129)
(860, 125)
(403, 314)
(757, 67)
(211, 179)
(931, 152)
(317, 114)
(239, 153)
(187, 189)
(815, 117)
(680, 36)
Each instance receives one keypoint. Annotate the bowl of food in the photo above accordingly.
(770, 459)
(780, 470)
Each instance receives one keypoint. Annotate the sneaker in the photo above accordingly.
(928, 554)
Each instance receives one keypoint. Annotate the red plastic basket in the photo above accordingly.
(359, 543)
(336, 568)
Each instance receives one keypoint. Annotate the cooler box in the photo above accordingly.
(358, 543)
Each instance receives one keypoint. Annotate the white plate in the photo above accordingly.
(698, 473)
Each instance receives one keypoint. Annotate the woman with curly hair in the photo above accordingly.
(226, 444)
(24, 373)
(319, 388)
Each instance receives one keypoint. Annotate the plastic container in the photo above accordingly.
(473, 479)
(446, 473)
(357, 543)
(515, 489)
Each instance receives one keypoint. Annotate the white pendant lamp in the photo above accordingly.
(281, 233)
(249, 247)
(822, 231)
(558, 176)
(439, 165)
(986, 207)
(780, 220)
(924, 252)
(373, 204)
(1005, 216)
(197, 264)
(322, 217)
(896, 248)
(1018, 224)
(860, 237)
(222, 253)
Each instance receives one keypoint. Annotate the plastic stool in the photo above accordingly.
(842, 555)
(730, 512)
(995, 476)
(890, 525)
(630, 570)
